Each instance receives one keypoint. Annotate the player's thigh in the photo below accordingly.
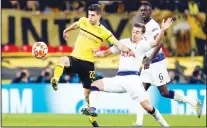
(146, 76)
(86, 72)
(135, 88)
(113, 85)
(65, 60)
(160, 73)
(70, 68)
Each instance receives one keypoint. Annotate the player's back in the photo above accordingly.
(90, 37)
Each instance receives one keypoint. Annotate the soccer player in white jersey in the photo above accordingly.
(127, 78)
(156, 73)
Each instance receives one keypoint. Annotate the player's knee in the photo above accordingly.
(165, 93)
(146, 105)
(97, 85)
(64, 60)
(149, 108)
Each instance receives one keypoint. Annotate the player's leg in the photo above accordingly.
(58, 71)
(139, 94)
(86, 72)
(146, 86)
(161, 77)
(180, 97)
(154, 112)
(106, 85)
(146, 79)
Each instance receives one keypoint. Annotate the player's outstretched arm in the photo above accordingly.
(165, 25)
(111, 50)
(102, 53)
(71, 27)
(157, 44)
(123, 47)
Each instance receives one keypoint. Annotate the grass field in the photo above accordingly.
(104, 120)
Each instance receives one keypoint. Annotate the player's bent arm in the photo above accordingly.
(121, 46)
(103, 53)
(117, 43)
(71, 27)
(158, 40)
(111, 50)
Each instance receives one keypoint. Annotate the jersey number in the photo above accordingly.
(161, 77)
(92, 74)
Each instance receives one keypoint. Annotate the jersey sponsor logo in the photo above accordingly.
(83, 35)
(124, 54)
(92, 35)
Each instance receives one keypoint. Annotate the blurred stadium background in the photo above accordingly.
(28, 98)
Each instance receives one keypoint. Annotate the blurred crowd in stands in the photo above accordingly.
(110, 6)
(23, 76)
(198, 77)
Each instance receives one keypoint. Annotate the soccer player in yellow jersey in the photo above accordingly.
(92, 34)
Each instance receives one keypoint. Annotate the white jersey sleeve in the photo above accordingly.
(155, 30)
(152, 29)
(114, 49)
(145, 46)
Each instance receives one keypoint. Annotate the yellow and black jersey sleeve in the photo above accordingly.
(81, 21)
(109, 37)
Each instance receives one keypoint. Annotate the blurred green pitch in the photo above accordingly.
(104, 120)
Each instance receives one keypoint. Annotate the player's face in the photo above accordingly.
(93, 17)
(136, 34)
(145, 12)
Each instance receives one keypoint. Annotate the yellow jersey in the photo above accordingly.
(90, 37)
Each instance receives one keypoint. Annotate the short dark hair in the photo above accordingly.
(140, 25)
(96, 7)
(146, 3)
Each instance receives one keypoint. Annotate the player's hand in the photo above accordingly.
(166, 24)
(131, 53)
(95, 52)
(146, 63)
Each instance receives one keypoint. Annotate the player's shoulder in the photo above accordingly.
(83, 19)
(103, 28)
(152, 22)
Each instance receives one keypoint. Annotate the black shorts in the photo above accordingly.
(84, 69)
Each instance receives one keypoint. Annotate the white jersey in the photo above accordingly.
(132, 63)
(152, 29)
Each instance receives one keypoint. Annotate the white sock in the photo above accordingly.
(92, 98)
(140, 115)
(158, 117)
(180, 97)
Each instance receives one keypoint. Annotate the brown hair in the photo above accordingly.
(96, 7)
(140, 25)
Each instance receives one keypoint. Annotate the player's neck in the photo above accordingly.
(97, 24)
(147, 20)
(134, 41)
